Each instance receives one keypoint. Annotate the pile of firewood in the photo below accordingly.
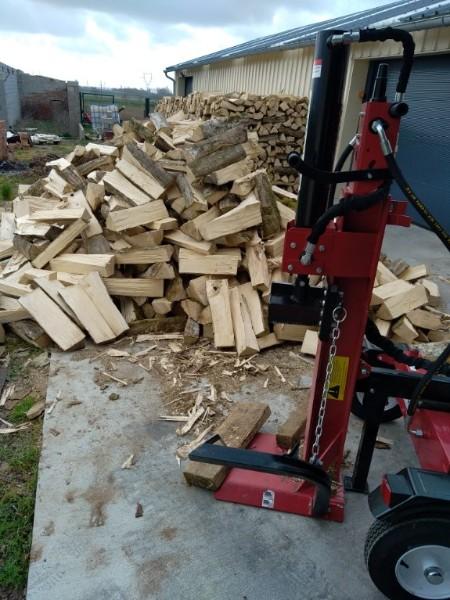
(280, 122)
(154, 233)
(404, 304)
(170, 228)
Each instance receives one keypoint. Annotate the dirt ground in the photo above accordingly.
(28, 165)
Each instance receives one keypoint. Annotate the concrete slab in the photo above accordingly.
(416, 245)
(88, 545)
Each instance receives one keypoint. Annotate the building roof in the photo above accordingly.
(396, 13)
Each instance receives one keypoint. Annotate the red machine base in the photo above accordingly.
(275, 492)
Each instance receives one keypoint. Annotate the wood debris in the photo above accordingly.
(129, 463)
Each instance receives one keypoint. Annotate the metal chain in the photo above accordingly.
(339, 316)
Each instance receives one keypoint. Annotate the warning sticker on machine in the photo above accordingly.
(317, 68)
(338, 379)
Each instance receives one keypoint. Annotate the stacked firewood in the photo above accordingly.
(172, 228)
(280, 122)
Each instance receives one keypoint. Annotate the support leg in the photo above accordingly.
(375, 401)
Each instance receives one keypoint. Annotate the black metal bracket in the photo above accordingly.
(377, 387)
(284, 464)
(314, 306)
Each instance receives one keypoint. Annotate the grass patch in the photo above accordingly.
(19, 413)
(42, 150)
(14, 180)
(19, 457)
(6, 190)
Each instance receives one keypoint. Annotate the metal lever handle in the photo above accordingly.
(297, 163)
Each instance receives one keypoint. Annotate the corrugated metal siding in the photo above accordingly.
(289, 72)
(286, 72)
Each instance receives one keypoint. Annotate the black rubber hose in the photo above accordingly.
(426, 379)
(423, 211)
(396, 352)
(343, 157)
(357, 203)
(338, 168)
(398, 35)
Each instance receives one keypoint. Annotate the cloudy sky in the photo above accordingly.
(129, 43)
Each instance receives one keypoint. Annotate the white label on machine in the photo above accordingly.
(317, 68)
(268, 499)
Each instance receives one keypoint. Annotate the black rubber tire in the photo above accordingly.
(386, 543)
(390, 414)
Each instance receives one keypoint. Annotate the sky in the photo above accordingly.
(114, 43)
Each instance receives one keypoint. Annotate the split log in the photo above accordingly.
(245, 339)
(140, 159)
(145, 257)
(138, 215)
(223, 139)
(246, 214)
(237, 431)
(292, 430)
(217, 160)
(124, 286)
(211, 264)
(60, 243)
(52, 320)
(116, 183)
(218, 295)
(403, 303)
(144, 181)
(271, 220)
(30, 332)
(84, 263)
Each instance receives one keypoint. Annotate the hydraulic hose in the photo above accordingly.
(345, 154)
(296, 162)
(340, 165)
(398, 35)
(357, 203)
(423, 211)
(378, 127)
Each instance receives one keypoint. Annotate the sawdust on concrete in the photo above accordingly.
(197, 376)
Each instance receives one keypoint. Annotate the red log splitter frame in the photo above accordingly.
(408, 546)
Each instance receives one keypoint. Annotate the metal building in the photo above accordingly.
(282, 64)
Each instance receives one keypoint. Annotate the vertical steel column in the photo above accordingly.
(322, 130)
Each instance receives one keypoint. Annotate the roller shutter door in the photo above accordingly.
(424, 143)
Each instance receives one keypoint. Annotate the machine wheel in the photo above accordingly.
(391, 410)
(410, 560)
